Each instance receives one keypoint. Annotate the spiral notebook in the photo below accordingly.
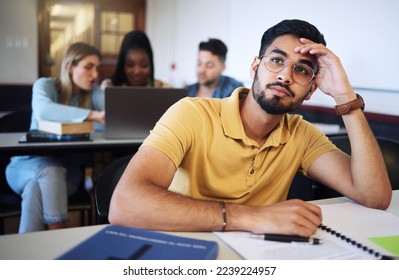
(349, 231)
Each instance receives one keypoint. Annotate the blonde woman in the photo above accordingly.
(44, 182)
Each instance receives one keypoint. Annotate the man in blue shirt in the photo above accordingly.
(210, 65)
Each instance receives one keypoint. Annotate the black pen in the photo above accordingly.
(288, 238)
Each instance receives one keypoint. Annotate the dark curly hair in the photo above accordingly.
(299, 28)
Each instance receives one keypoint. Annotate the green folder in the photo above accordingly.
(389, 243)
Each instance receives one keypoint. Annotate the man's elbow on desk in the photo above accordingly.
(117, 216)
(381, 201)
(125, 211)
(120, 209)
(385, 201)
(380, 197)
(113, 216)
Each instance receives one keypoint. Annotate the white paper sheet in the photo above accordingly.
(354, 221)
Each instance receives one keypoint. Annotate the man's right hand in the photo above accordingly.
(293, 217)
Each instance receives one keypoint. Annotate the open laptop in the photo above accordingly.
(131, 112)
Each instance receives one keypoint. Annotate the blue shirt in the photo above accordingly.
(45, 104)
(224, 88)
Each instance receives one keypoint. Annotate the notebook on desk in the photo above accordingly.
(131, 112)
(349, 231)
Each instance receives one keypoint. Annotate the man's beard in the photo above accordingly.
(273, 105)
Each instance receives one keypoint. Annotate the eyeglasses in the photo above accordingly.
(302, 73)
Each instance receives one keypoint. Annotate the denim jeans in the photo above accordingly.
(44, 184)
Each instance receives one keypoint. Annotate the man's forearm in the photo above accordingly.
(369, 176)
(159, 209)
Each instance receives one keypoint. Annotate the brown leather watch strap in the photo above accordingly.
(345, 108)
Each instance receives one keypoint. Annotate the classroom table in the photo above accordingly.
(46, 245)
(10, 146)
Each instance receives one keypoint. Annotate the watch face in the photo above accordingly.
(361, 99)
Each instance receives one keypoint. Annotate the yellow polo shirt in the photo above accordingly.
(215, 160)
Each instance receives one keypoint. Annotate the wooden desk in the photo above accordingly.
(9, 145)
(46, 245)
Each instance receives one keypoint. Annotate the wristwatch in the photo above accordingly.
(345, 108)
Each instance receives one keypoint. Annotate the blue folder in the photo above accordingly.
(125, 243)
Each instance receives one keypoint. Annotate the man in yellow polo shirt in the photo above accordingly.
(227, 164)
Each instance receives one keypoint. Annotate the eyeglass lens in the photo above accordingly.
(302, 73)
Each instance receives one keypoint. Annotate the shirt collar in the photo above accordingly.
(232, 124)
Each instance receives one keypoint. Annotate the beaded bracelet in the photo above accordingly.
(222, 204)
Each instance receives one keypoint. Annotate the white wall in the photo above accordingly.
(176, 27)
(18, 42)
(363, 34)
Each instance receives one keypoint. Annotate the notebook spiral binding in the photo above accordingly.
(352, 242)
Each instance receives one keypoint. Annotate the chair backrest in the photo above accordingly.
(390, 152)
(17, 121)
(106, 184)
(10, 202)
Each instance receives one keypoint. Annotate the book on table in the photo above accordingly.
(34, 136)
(126, 243)
(62, 128)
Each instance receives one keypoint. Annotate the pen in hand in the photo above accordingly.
(288, 238)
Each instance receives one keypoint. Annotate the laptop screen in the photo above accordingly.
(131, 112)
